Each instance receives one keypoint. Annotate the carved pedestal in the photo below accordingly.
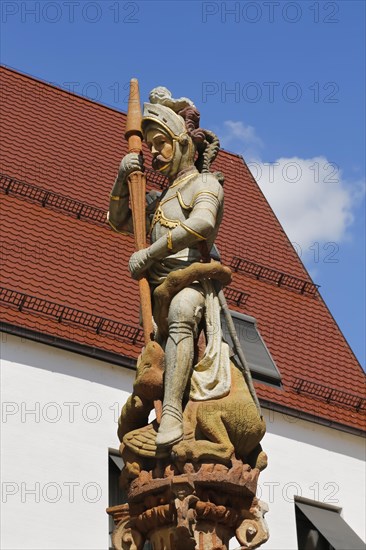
(201, 508)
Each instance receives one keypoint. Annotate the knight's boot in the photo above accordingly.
(178, 364)
(171, 426)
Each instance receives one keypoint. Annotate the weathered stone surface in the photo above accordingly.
(239, 479)
(200, 509)
(190, 474)
(182, 278)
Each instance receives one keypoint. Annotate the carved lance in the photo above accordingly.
(238, 349)
(137, 190)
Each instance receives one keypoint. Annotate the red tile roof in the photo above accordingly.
(70, 146)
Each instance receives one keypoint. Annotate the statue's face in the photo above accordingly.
(162, 149)
(169, 156)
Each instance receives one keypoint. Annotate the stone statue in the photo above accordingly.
(210, 425)
(186, 217)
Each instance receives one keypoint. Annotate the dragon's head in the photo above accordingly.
(148, 384)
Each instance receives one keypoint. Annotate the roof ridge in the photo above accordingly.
(79, 96)
(341, 332)
(298, 259)
(59, 88)
(305, 268)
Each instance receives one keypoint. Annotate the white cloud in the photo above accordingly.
(310, 197)
(239, 132)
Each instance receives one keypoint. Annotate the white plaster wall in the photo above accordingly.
(77, 401)
(316, 462)
(59, 445)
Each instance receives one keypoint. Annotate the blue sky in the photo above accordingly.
(282, 83)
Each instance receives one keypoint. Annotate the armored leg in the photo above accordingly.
(185, 313)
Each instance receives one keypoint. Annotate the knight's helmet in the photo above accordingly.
(180, 119)
(163, 110)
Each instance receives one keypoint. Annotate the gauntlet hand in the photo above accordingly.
(139, 262)
(132, 162)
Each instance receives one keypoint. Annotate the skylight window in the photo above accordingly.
(259, 359)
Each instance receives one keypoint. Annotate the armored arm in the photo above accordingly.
(202, 221)
(198, 227)
(119, 215)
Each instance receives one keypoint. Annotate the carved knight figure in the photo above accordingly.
(190, 474)
(183, 229)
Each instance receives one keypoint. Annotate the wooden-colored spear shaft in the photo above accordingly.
(137, 189)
